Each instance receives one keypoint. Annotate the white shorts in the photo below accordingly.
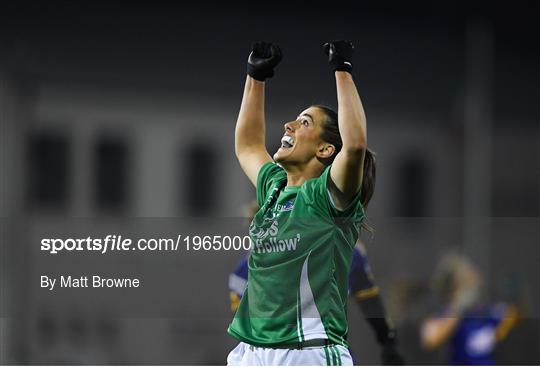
(249, 355)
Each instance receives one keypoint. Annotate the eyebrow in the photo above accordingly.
(308, 115)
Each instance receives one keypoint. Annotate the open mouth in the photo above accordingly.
(287, 141)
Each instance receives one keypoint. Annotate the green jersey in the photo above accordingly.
(299, 264)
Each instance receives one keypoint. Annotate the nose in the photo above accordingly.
(290, 126)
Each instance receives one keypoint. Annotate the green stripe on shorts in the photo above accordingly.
(338, 355)
(334, 360)
(327, 356)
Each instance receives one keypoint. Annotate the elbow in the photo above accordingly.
(435, 332)
(237, 151)
(355, 150)
(429, 345)
(240, 147)
(244, 150)
(240, 153)
(429, 342)
(355, 146)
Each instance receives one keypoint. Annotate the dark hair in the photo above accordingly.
(368, 178)
(330, 132)
(331, 135)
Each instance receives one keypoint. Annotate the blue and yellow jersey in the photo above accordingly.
(475, 337)
(238, 283)
(361, 281)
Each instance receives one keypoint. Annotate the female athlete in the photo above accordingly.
(312, 196)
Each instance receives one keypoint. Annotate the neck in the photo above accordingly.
(296, 176)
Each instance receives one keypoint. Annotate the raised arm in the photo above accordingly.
(347, 168)
(436, 330)
(250, 145)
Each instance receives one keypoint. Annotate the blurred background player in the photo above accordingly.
(362, 288)
(471, 326)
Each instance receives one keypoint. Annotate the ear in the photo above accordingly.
(325, 150)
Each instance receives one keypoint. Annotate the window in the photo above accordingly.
(49, 157)
(413, 190)
(111, 158)
(202, 184)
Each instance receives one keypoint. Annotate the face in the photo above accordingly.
(302, 141)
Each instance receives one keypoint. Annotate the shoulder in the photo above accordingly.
(270, 171)
(269, 167)
(318, 189)
(271, 175)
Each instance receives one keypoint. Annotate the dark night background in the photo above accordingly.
(121, 115)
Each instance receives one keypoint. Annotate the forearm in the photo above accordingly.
(375, 314)
(250, 130)
(436, 331)
(351, 116)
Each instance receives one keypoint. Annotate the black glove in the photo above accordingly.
(262, 60)
(390, 355)
(339, 55)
